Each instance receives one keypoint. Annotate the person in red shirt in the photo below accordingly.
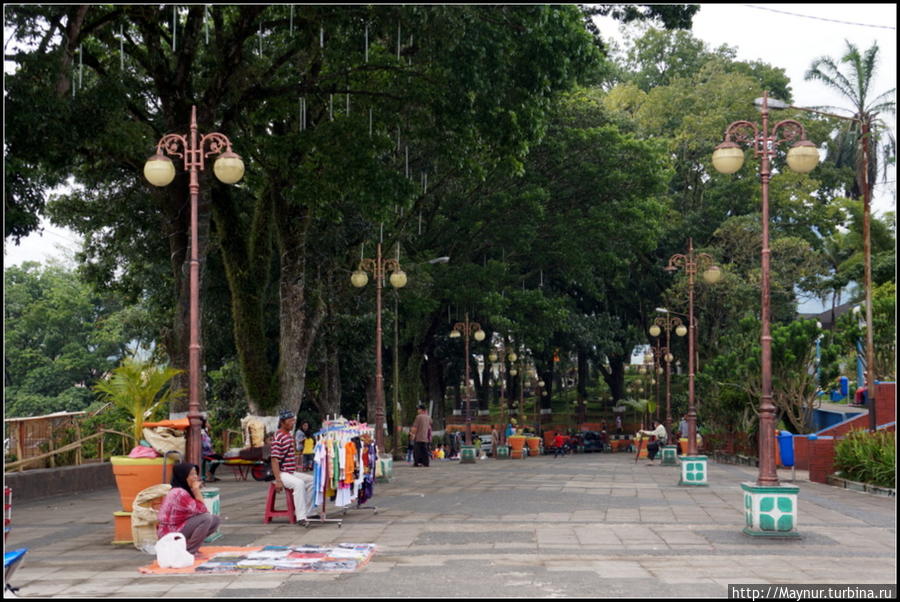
(559, 442)
(183, 510)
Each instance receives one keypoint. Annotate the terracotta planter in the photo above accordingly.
(516, 444)
(534, 446)
(133, 475)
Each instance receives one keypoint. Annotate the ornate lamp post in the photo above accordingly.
(668, 323)
(692, 263)
(728, 158)
(654, 359)
(468, 329)
(159, 170)
(379, 267)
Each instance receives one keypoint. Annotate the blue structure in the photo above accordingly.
(786, 448)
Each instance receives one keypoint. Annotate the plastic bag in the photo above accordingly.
(171, 552)
(142, 451)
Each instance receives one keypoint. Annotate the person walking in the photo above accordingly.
(420, 433)
(284, 467)
(559, 444)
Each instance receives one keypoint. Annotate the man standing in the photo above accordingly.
(284, 467)
(420, 433)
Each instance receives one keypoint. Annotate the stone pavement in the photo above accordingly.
(588, 525)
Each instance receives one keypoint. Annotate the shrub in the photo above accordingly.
(867, 457)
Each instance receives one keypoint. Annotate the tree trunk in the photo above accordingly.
(615, 376)
(246, 259)
(482, 385)
(300, 319)
(435, 387)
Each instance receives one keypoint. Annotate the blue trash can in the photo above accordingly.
(786, 448)
(845, 386)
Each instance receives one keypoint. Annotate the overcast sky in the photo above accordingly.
(790, 36)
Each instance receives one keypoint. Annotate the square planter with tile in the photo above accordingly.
(770, 511)
(694, 471)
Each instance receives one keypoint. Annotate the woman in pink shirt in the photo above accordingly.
(183, 510)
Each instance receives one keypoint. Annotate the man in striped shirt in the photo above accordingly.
(284, 467)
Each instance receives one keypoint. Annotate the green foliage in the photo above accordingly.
(139, 388)
(868, 457)
(60, 337)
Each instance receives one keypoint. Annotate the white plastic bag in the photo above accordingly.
(171, 552)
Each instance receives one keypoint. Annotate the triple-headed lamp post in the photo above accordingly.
(467, 329)
(667, 323)
(728, 159)
(692, 263)
(379, 267)
(159, 170)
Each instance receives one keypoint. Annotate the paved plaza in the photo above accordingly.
(588, 525)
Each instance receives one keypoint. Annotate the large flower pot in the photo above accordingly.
(133, 475)
(516, 444)
(534, 446)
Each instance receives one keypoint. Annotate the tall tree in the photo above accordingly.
(854, 84)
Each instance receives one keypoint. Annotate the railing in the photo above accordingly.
(76, 445)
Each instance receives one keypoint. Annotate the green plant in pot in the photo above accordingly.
(139, 388)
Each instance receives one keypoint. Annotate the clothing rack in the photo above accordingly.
(341, 430)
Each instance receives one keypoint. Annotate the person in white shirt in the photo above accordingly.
(659, 432)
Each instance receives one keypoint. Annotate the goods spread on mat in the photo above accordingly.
(342, 557)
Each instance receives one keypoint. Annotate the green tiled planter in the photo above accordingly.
(669, 455)
(502, 452)
(694, 471)
(467, 454)
(770, 511)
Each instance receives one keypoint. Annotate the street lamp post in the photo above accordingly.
(159, 170)
(655, 358)
(728, 158)
(668, 323)
(468, 329)
(691, 263)
(379, 268)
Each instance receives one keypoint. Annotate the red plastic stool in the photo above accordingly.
(271, 512)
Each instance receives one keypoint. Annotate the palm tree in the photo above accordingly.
(871, 133)
(854, 86)
(139, 388)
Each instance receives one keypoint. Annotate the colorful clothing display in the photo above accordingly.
(343, 464)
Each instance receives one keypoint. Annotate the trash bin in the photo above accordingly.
(845, 386)
(212, 503)
(786, 447)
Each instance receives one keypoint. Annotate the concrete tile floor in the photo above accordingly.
(582, 525)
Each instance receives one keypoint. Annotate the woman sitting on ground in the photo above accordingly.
(183, 510)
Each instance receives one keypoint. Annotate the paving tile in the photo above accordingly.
(539, 528)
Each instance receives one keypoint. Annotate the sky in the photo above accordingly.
(790, 36)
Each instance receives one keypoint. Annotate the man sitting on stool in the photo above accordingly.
(660, 433)
(284, 467)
